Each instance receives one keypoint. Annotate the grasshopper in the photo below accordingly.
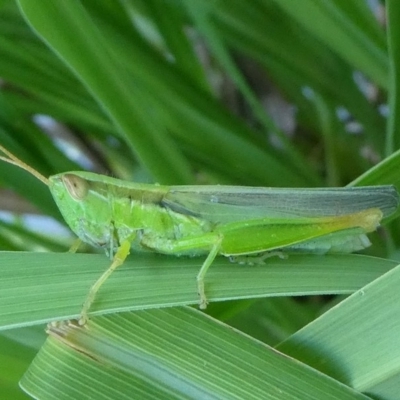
(214, 220)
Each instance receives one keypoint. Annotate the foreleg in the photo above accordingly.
(119, 258)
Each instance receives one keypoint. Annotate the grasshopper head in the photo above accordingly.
(84, 204)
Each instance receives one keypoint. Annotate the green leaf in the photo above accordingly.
(41, 287)
(17, 350)
(172, 353)
(88, 54)
(337, 27)
(394, 54)
(361, 332)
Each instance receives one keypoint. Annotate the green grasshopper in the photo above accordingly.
(232, 221)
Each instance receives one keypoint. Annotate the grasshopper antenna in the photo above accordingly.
(11, 159)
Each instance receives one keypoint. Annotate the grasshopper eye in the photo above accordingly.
(76, 186)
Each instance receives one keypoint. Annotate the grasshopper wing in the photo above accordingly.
(224, 204)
